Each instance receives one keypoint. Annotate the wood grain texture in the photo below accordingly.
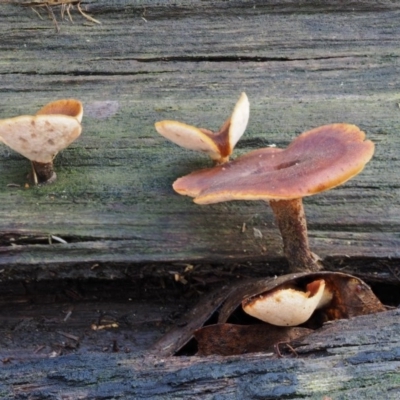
(301, 66)
(352, 359)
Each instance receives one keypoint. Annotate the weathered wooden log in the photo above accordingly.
(302, 65)
(356, 358)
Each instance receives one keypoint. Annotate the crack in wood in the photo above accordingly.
(20, 239)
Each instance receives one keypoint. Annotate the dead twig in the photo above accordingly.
(278, 352)
(393, 272)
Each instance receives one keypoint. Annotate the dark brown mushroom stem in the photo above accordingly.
(290, 216)
(43, 173)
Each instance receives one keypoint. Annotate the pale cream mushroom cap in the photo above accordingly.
(189, 137)
(70, 107)
(238, 121)
(217, 145)
(39, 138)
(288, 307)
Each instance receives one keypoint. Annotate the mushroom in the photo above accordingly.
(317, 160)
(40, 137)
(221, 312)
(70, 107)
(288, 306)
(218, 145)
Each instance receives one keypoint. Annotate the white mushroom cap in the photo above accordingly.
(39, 138)
(238, 121)
(218, 145)
(287, 306)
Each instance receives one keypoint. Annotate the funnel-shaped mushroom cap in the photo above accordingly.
(39, 138)
(238, 121)
(71, 107)
(315, 161)
(219, 145)
(189, 137)
(286, 306)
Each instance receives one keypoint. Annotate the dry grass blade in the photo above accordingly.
(65, 5)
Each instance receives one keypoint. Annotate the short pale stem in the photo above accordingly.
(44, 172)
(291, 220)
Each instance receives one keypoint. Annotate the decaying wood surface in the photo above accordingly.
(349, 359)
(302, 65)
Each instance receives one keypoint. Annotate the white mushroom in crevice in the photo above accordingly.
(218, 145)
(288, 306)
(40, 137)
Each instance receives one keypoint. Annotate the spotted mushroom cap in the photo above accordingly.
(218, 145)
(317, 160)
(39, 138)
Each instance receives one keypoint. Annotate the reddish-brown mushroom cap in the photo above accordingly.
(317, 160)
